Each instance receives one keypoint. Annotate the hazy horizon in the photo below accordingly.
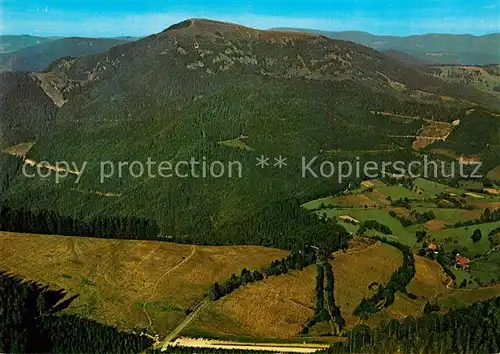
(134, 18)
(61, 35)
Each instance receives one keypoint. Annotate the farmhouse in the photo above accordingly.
(433, 246)
(462, 261)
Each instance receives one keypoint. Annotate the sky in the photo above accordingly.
(111, 18)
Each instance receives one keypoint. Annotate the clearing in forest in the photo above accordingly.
(280, 306)
(114, 278)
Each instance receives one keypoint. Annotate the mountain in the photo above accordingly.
(407, 58)
(224, 95)
(39, 56)
(485, 78)
(11, 43)
(438, 48)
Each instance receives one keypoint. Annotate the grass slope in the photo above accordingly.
(280, 306)
(113, 279)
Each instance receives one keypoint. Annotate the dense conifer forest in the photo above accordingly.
(9, 166)
(474, 329)
(52, 223)
(30, 322)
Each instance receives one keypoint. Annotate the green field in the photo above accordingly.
(400, 233)
(450, 216)
(431, 188)
(461, 275)
(315, 204)
(486, 270)
(397, 192)
(461, 239)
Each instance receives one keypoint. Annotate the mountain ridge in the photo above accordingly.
(226, 93)
(437, 47)
(39, 56)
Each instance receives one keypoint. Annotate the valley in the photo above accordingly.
(270, 258)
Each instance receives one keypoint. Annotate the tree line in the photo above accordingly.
(31, 322)
(52, 223)
(487, 216)
(473, 329)
(285, 225)
(398, 282)
(374, 225)
(326, 309)
(420, 218)
(297, 260)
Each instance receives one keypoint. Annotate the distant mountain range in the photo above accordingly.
(32, 53)
(435, 48)
(11, 43)
(36, 53)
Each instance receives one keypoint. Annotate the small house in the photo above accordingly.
(433, 246)
(462, 261)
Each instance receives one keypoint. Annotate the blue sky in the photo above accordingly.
(108, 18)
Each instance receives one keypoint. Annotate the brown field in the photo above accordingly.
(435, 225)
(280, 306)
(401, 212)
(492, 191)
(114, 278)
(472, 214)
(354, 272)
(275, 307)
(353, 200)
(494, 174)
(435, 130)
(428, 283)
(483, 205)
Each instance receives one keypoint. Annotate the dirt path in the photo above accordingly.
(153, 293)
(98, 193)
(410, 117)
(147, 256)
(34, 163)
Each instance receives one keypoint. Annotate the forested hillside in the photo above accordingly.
(39, 55)
(30, 322)
(214, 91)
(25, 110)
(474, 329)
